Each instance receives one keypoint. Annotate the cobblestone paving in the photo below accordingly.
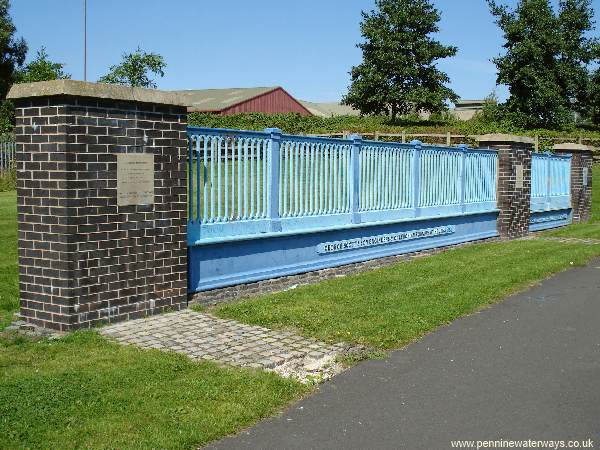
(205, 337)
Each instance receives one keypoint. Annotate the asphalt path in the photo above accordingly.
(527, 368)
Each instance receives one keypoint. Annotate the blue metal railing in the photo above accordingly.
(247, 183)
(550, 182)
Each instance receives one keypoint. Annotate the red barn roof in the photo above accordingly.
(270, 100)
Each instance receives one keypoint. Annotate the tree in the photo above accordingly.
(41, 69)
(133, 71)
(594, 98)
(546, 62)
(398, 73)
(577, 51)
(12, 50)
(12, 56)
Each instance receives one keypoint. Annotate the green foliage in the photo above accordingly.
(7, 116)
(133, 71)
(8, 180)
(494, 119)
(9, 279)
(577, 51)
(546, 61)
(398, 73)
(12, 50)
(594, 106)
(41, 69)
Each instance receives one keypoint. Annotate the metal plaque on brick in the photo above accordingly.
(585, 176)
(382, 239)
(135, 179)
(519, 176)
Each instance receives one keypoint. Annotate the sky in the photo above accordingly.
(306, 46)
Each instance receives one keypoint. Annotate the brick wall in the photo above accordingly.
(83, 259)
(581, 196)
(514, 183)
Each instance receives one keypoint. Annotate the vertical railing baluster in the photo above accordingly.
(328, 178)
(256, 185)
(212, 178)
(219, 195)
(321, 152)
(205, 189)
(548, 180)
(371, 179)
(296, 178)
(226, 168)
(338, 179)
(284, 192)
(301, 149)
(198, 204)
(266, 179)
(191, 179)
(252, 187)
(233, 166)
(245, 178)
(240, 167)
(463, 176)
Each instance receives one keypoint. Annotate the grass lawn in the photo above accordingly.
(389, 307)
(9, 284)
(85, 392)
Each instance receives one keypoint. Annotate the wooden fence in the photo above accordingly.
(541, 142)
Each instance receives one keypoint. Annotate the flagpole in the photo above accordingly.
(84, 40)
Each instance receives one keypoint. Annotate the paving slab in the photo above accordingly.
(203, 336)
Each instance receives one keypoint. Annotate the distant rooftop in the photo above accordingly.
(329, 109)
(219, 99)
(478, 103)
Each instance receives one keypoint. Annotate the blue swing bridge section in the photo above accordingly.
(267, 204)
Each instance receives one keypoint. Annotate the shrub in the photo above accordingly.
(8, 180)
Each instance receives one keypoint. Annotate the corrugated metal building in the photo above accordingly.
(270, 100)
(330, 109)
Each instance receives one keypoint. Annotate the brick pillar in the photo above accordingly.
(90, 252)
(514, 182)
(581, 179)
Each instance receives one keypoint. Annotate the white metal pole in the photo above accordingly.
(84, 40)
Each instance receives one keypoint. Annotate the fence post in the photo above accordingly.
(93, 207)
(273, 198)
(581, 178)
(548, 180)
(416, 172)
(514, 182)
(463, 171)
(448, 139)
(354, 177)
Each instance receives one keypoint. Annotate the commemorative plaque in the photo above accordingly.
(135, 179)
(519, 176)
